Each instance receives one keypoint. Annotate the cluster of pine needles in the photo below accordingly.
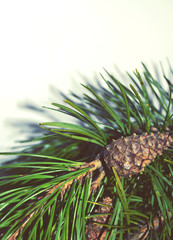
(32, 203)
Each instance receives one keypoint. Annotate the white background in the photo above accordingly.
(53, 42)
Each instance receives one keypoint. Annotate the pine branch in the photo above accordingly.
(53, 189)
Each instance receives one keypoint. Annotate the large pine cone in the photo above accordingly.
(131, 154)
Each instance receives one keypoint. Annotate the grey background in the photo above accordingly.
(47, 43)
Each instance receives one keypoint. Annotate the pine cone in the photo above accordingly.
(128, 156)
(131, 154)
(95, 231)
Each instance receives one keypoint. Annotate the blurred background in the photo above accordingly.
(60, 43)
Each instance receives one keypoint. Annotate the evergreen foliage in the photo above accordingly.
(33, 204)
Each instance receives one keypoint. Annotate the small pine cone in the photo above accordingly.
(131, 154)
(95, 231)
